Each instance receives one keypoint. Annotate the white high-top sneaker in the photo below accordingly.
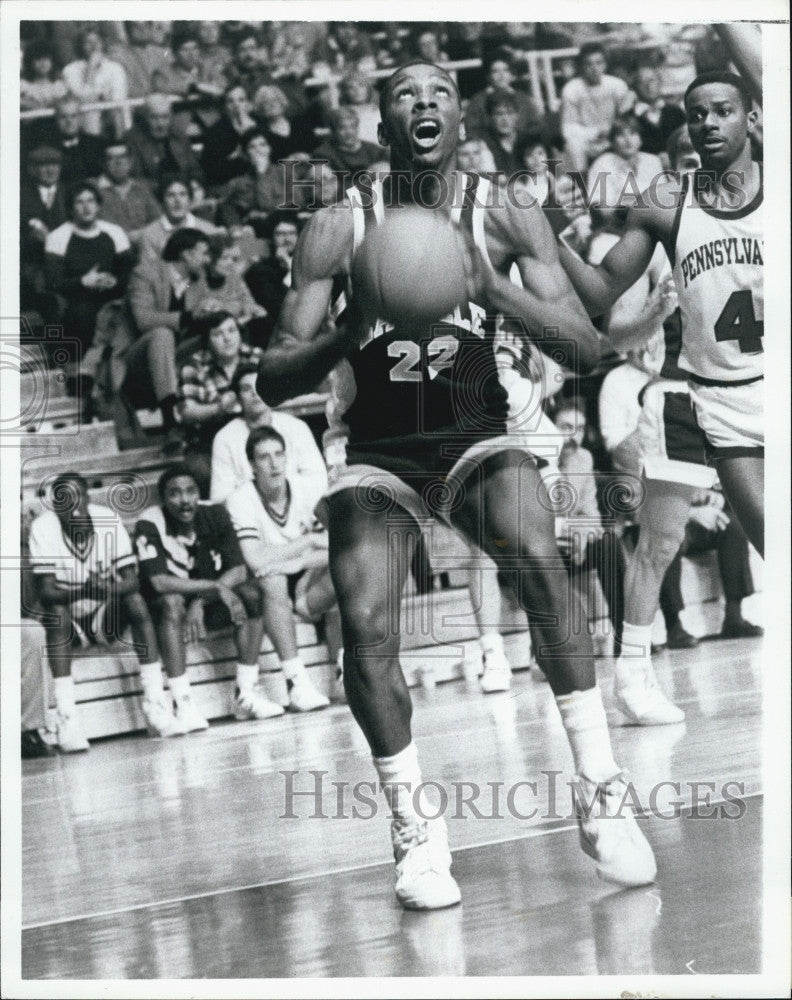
(609, 833)
(423, 861)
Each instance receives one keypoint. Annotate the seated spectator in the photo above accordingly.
(87, 261)
(269, 279)
(186, 76)
(590, 104)
(41, 85)
(357, 91)
(536, 183)
(126, 201)
(230, 465)
(42, 209)
(310, 186)
(465, 41)
(474, 156)
(164, 294)
(85, 572)
(501, 137)
(287, 133)
(584, 542)
(657, 118)
(501, 76)
(207, 400)
(82, 156)
(214, 55)
(156, 148)
(228, 291)
(174, 195)
(344, 151)
(95, 78)
(248, 67)
(194, 578)
(624, 171)
(140, 56)
(269, 182)
(221, 158)
(287, 552)
(426, 44)
(348, 43)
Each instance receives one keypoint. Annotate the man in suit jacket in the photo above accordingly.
(156, 149)
(82, 155)
(163, 295)
(42, 208)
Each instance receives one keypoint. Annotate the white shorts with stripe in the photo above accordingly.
(672, 444)
(731, 417)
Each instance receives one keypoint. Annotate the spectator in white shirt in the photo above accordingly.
(174, 195)
(624, 171)
(230, 466)
(96, 78)
(590, 104)
(619, 408)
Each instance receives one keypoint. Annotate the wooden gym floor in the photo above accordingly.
(167, 859)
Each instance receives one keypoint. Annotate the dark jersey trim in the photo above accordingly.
(700, 380)
(672, 239)
(755, 202)
(745, 451)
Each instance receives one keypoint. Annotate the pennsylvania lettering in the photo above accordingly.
(722, 253)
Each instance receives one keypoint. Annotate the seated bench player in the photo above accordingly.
(194, 579)
(86, 581)
(287, 552)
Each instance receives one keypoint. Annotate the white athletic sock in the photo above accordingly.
(403, 768)
(179, 687)
(293, 669)
(492, 642)
(247, 676)
(586, 727)
(63, 688)
(636, 654)
(151, 680)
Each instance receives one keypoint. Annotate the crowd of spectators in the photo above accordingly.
(159, 230)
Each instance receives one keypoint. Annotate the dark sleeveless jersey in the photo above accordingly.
(422, 397)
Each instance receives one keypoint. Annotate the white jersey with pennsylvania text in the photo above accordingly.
(718, 272)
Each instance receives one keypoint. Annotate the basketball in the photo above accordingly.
(409, 269)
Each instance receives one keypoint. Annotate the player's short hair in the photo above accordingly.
(181, 240)
(241, 371)
(259, 435)
(589, 49)
(722, 76)
(174, 472)
(388, 85)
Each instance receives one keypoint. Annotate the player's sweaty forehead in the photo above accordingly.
(713, 95)
(419, 73)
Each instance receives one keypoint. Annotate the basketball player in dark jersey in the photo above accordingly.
(427, 436)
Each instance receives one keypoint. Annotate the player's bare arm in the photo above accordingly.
(303, 348)
(647, 224)
(547, 300)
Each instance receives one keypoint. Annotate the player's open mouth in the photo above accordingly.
(426, 134)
